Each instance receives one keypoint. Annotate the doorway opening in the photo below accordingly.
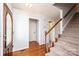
(33, 32)
(33, 37)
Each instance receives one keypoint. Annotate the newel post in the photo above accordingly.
(46, 49)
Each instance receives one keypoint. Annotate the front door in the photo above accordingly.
(7, 31)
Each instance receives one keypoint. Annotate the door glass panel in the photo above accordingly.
(8, 29)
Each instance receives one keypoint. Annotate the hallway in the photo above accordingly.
(34, 31)
(68, 43)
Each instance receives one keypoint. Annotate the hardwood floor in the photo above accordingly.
(34, 50)
(68, 43)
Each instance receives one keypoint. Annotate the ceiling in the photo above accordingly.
(46, 9)
(61, 5)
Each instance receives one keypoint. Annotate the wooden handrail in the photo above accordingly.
(46, 33)
(70, 10)
(52, 27)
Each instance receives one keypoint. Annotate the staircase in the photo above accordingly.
(68, 44)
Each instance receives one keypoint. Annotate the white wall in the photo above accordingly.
(21, 28)
(0, 29)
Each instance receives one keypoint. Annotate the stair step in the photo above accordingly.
(68, 43)
(60, 51)
(70, 39)
(73, 35)
(69, 47)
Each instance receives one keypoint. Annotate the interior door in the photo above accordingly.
(33, 30)
(7, 31)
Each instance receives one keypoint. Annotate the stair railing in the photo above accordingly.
(48, 32)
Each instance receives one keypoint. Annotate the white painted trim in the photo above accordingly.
(61, 24)
(68, 21)
(61, 29)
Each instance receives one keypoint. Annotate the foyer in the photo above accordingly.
(40, 29)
